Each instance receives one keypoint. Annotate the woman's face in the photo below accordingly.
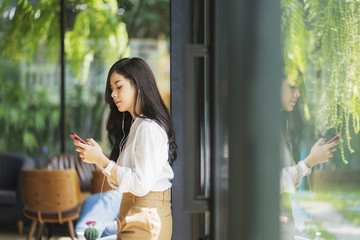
(123, 93)
(289, 95)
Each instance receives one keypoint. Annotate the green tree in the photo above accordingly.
(30, 37)
(93, 30)
(146, 18)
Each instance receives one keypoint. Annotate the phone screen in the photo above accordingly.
(74, 136)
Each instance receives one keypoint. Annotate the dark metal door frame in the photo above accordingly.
(245, 60)
(180, 34)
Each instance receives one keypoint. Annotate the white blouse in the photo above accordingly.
(288, 172)
(143, 163)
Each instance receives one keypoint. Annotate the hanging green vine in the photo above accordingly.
(330, 61)
(293, 33)
(337, 41)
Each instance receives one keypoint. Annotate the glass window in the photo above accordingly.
(320, 99)
(29, 78)
(97, 33)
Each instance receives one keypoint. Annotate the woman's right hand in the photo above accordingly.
(320, 152)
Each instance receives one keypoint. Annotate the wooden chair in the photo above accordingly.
(72, 161)
(50, 196)
(97, 182)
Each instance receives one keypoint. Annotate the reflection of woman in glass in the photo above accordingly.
(291, 173)
(140, 130)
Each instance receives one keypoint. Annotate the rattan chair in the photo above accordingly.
(72, 161)
(99, 183)
(50, 196)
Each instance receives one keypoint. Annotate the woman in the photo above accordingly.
(291, 173)
(141, 133)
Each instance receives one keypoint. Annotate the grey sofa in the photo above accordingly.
(11, 207)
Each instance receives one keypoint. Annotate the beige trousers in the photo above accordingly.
(147, 217)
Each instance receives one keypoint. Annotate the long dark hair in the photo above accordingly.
(291, 128)
(138, 72)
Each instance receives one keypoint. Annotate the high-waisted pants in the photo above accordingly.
(147, 217)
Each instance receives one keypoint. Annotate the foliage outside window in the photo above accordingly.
(321, 42)
(31, 45)
(321, 48)
(97, 33)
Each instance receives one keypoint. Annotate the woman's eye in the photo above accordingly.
(118, 87)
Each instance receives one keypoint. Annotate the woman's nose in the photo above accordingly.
(113, 95)
(297, 93)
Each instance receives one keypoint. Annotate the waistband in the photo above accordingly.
(161, 196)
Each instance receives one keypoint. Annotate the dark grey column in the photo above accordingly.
(254, 75)
(180, 36)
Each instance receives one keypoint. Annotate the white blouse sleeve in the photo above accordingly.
(288, 172)
(149, 158)
(288, 179)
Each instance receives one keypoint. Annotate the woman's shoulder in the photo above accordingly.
(147, 124)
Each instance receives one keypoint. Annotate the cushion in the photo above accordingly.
(101, 208)
(10, 167)
(7, 197)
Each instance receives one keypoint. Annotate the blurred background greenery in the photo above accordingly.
(97, 33)
(321, 49)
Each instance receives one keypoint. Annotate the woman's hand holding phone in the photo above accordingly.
(89, 151)
(322, 151)
(80, 145)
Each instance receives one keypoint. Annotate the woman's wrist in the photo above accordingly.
(103, 162)
(308, 162)
(304, 168)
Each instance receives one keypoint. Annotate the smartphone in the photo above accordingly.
(74, 136)
(336, 136)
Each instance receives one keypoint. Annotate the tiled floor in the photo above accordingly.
(9, 232)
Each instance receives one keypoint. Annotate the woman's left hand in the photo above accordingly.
(91, 152)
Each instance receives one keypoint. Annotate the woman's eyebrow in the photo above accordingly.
(115, 83)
